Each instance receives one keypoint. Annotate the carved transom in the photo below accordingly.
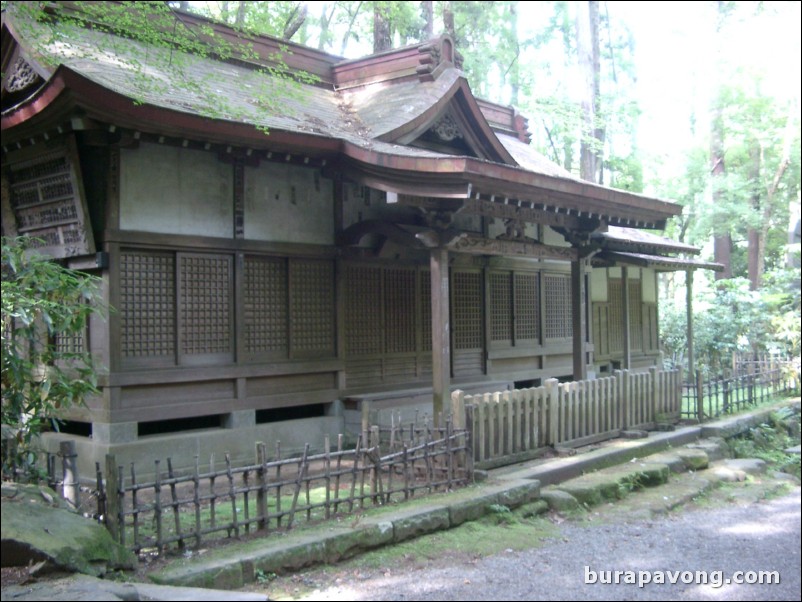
(22, 76)
(446, 128)
(515, 230)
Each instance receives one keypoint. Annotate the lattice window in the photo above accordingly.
(527, 307)
(399, 305)
(147, 305)
(70, 343)
(557, 290)
(312, 307)
(501, 306)
(615, 296)
(426, 309)
(363, 310)
(468, 310)
(266, 315)
(635, 315)
(205, 304)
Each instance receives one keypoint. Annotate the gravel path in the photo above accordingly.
(762, 536)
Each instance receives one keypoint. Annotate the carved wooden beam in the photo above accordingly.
(478, 245)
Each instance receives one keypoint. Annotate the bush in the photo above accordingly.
(46, 367)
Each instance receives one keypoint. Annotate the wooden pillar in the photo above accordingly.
(578, 318)
(626, 363)
(689, 317)
(441, 333)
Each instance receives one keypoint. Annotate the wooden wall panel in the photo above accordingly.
(266, 314)
(557, 293)
(147, 307)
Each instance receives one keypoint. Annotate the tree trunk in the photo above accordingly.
(325, 20)
(754, 238)
(587, 43)
(295, 21)
(382, 32)
(448, 19)
(239, 21)
(349, 32)
(722, 242)
(514, 69)
(427, 12)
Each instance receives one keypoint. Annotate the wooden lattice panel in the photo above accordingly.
(399, 307)
(266, 315)
(468, 310)
(426, 310)
(71, 344)
(615, 296)
(650, 330)
(147, 305)
(527, 307)
(635, 315)
(205, 304)
(363, 310)
(312, 307)
(557, 291)
(501, 306)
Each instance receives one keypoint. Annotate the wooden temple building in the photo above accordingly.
(373, 232)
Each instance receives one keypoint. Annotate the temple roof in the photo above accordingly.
(404, 121)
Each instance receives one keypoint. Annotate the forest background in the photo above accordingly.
(695, 102)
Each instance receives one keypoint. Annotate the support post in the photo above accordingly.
(441, 333)
(69, 462)
(626, 364)
(689, 318)
(578, 318)
(700, 397)
(655, 394)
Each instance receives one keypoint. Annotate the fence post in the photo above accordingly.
(261, 477)
(725, 385)
(469, 453)
(655, 393)
(112, 498)
(622, 384)
(70, 487)
(700, 397)
(458, 409)
(365, 420)
(552, 391)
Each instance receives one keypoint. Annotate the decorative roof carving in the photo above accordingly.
(435, 53)
(446, 128)
(22, 76)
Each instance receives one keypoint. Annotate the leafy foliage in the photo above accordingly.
(45, 366)
(768, 441)
(730, 318)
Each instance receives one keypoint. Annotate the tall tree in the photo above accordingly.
(382, 30)
(722, 241)
(587, 38)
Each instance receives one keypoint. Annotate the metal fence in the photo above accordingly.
(751, 383)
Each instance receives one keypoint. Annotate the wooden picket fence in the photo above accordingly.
(514, 423)
(183, 510)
